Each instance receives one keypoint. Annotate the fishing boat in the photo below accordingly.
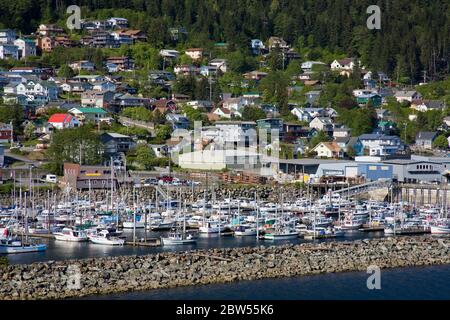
(71, 235)
(105, 238)
(245, 230)
(285, 234)
(440, 229)
(178, 238)
(131, 225)
(11, 246)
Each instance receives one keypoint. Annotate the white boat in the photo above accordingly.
(178, 238)
(130, 225)
(211, 227)
(11, 246)
(105, 238)
(245, 230)
(69, 234)
(285, 235)
(440, 229)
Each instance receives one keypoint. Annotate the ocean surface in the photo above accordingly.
(417, 283)
(60, 250)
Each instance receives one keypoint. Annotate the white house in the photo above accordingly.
(426, 105)
(328, 150)
(322, 124)
(381, 145)
(407, 95)
(220, 64)
(118, 22)
(308, 65)
(343, 64)
(194, 53)
(25, 47)
(236, 104)
(63, 121)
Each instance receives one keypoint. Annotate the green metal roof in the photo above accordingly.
(91, 110)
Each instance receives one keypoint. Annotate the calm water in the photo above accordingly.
(60, 250)
(419, 283)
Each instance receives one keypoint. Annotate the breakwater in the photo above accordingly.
(77, 278)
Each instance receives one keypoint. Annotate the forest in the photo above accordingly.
(414, 35)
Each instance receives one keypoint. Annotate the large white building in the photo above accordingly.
(220, 159)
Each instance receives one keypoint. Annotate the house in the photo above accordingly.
(424, 139)
(220, 64)
(7, 36)
(122, 38)
(207, 71)
(9, 51)
(426, 105)
(257, 46)
(308, 65)
(194, 53)
(236, 104)
(277, 42)
(119, 23)
(270, 124)
(186, 70)
(380, 76)
(171, 54)
(160, 150)
(135, 34)
(100, 99)
(307, 114)
(6, 132)
(222, 112)
(380, 144)
(328, 150)
(255, 75)
(103, 86)
(164, 105)
(84, 65)
(26, 48)
(49, 29)
(178, 121)
(76, 87)
(123, 63)
(322, 124)
(103, 39)
(405, 95)
(386, 127)
(94, 115)
(114, 143)
(46, 43)
(63, 121)
(346, 64)
(341, 132)
(374, 98)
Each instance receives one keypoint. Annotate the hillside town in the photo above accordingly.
(378, 121)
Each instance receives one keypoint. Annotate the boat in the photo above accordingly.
(105, 238)
(440, 229)
(283, 235)
(11, 246)
(174, 238)
(245, 230)
(71, 235)
(131, 225)
(211, 227)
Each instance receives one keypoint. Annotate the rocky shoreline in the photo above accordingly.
(78, 278)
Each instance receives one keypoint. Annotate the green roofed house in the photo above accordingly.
(95, 115)
(373, 97)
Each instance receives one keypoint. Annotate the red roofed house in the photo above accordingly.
(63, 121)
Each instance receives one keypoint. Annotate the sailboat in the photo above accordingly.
(179, 236)
(282, 230)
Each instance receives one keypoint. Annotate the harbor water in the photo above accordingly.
(60, 250)
(417, 283)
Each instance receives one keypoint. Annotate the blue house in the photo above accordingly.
(178, 121)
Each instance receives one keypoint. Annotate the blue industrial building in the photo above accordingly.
(375, 171)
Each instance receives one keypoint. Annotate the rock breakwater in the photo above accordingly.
(78, 278)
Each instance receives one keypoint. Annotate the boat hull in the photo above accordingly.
(24, 249)
(440, 230)
(271, 236)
